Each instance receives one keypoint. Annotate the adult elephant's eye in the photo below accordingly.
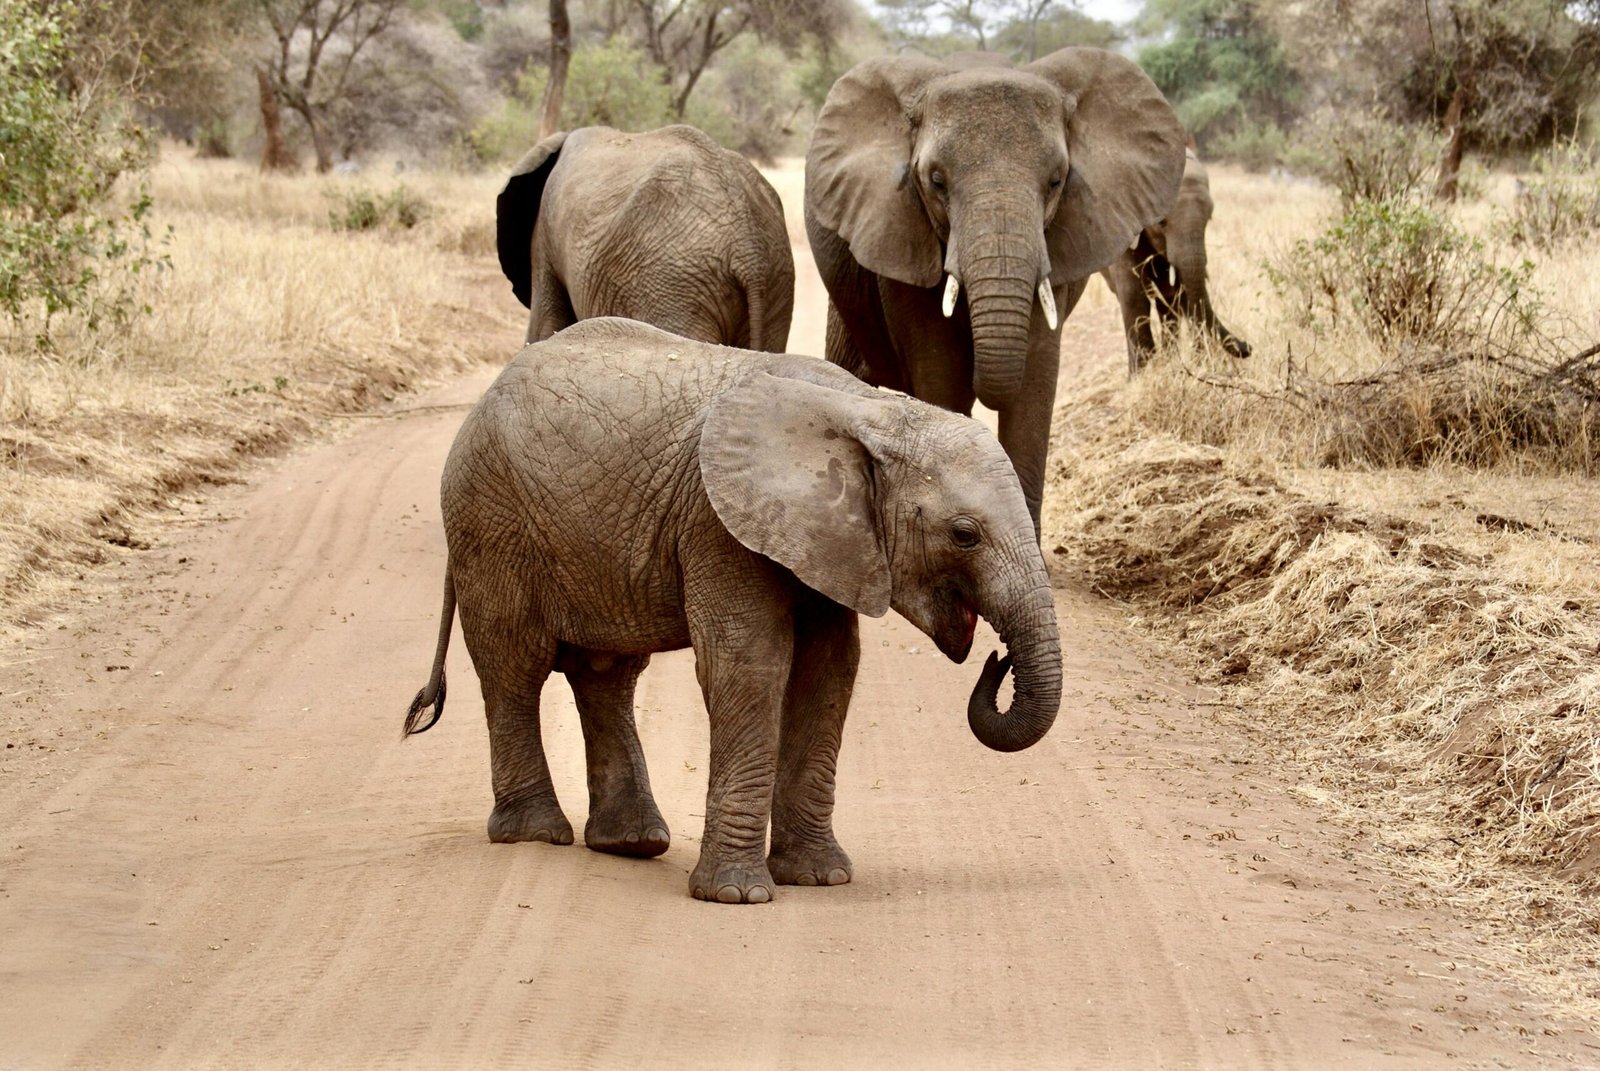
(1055, 183)
(965, 535)
(936, 180)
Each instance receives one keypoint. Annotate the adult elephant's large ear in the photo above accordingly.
(1125, 158)
(786, 471)
(858, 181)
(516, 210)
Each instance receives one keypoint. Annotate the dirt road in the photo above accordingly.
(218, 852)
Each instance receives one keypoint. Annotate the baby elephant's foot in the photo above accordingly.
(809, 865)
(529, 820)
(731, 883)
(631, 826)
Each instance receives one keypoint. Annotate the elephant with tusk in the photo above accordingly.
(1165, 267)
(620, 491)
(1008, 186)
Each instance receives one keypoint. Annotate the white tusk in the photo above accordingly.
(951, 289)
(1047, 298)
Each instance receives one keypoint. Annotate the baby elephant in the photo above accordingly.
(620, 491)
(666, 227)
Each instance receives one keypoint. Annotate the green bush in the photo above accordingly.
(1560, 202)
(67, 245)
(1210, 112)
(613, 84)
(1410, 277)
(750, 101)
(1255, 146)
(360, 209)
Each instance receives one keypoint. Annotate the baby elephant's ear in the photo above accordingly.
(790, 480)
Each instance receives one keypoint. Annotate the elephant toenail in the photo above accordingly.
(632, 838)
(806, 879)
(759, 895)
(729, 894)
(838, 876)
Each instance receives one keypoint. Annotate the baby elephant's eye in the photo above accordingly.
(965, 535)
(936, 179)
(1055, 182)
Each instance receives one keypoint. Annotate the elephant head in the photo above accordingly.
(880, 501)
(1181, 239)
(1004, 182)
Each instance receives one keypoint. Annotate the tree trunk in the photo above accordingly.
(560, 58)
(1450, 165)
(319, 141)
(275, 155)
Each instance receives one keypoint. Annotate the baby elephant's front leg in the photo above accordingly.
(744, 681)
(827, 648)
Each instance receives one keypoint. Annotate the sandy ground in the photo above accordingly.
(218, 852)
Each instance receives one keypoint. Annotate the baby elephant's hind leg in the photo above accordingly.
(623, 817)
(525, 804)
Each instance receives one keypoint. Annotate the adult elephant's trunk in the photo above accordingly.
(1187, 253)
(1027, 626)
(1001, 259)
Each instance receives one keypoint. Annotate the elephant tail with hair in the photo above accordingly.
(430, 701)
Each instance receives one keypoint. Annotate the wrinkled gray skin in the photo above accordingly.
(1166, 267)
(1001, 178)
(666, 227)
(620, 491)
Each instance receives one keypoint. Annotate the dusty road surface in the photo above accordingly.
(217, 851)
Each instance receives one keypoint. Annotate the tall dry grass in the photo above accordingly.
(268, 322)
(1418, 647)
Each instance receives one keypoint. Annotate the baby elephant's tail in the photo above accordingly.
(431, 699)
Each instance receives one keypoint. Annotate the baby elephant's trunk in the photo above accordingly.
(431, 698)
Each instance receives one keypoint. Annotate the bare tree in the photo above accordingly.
(318, 42)
(942, 25)
(683, 36)
(560, 59)
(275, 154)
(1030, 13)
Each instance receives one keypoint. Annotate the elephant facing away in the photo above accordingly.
(957, 209)
(666, 227)
(1166, 267)
(620, 491)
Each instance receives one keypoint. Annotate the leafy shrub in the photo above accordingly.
(613, 84)
(361, 209)
(751, 101)
(66, 244)
(1210, 111)
(1254, 146)
(1559, 203)
(1368, 157)
(1407, 275)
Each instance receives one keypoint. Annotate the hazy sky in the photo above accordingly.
(1110, 10)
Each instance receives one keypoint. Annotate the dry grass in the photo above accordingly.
(269, 323)
(1419, 647)
(1329, 393)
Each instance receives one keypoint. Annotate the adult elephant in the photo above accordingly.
(1166, 268)
(1010, 185)
(666, 227)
